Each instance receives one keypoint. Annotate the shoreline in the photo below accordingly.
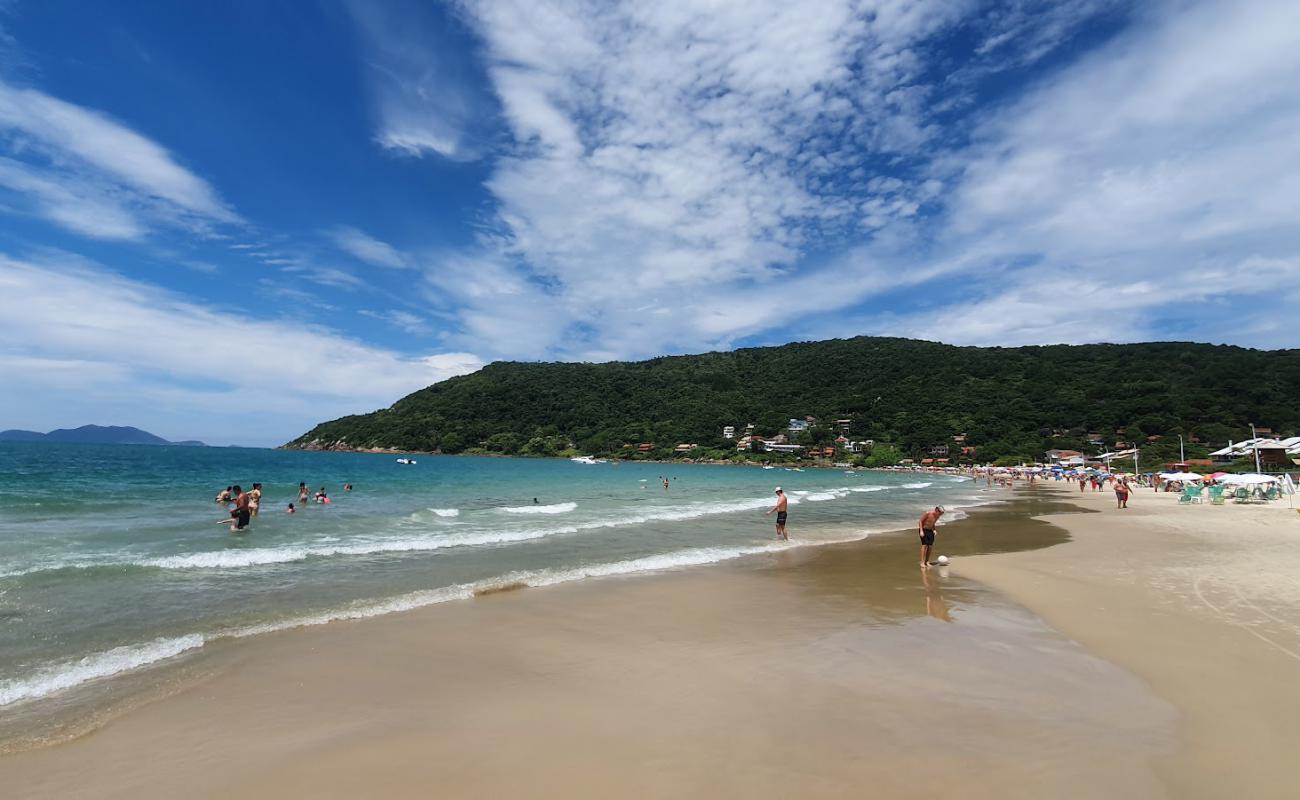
(774, 675)
(80, 708)
(1034, 552)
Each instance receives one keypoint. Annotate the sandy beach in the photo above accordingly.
(1145, 656)
(1202, 603)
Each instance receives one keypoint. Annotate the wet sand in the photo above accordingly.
(1203, 603)
(840, 671)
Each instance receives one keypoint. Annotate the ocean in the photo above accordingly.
(111, 558)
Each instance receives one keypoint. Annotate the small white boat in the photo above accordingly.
(406, 461)
(587, 460)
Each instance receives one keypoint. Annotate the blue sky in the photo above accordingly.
(232, 220)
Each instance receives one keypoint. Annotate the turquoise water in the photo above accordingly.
(111, 558)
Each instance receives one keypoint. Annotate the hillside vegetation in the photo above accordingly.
(908, 396)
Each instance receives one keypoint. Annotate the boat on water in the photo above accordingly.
(406, 461)
(587, 460)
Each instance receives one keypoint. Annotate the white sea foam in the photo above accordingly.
(254, 557)
(521, 578)
(557, 508)
(65, 675)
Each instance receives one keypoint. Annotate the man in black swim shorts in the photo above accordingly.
(780, 508)
(926, 530)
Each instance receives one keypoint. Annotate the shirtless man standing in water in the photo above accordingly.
(926, 529)
(780, 508)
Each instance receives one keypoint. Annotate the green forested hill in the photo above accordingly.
(909, 394)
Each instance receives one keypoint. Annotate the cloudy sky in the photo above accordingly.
(232, 220)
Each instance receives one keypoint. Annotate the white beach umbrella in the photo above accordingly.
(1247, 479)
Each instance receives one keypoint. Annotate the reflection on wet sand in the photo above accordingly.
(934, 605)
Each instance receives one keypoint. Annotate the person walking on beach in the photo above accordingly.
(1121, 494)
(782, 504)
(925, 528)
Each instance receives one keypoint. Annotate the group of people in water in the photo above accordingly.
(248, 503)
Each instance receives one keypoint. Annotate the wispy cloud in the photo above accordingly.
(95, 176)
(287, 374)
(687, 176)
(364, 247)
(405, 321)
(422, 96)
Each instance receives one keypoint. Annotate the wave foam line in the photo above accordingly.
(556, 508)
(57, 677)
(242, 558)
(68, 674)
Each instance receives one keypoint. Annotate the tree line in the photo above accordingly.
(908, 396)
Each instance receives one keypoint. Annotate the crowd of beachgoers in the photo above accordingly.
(245, 505)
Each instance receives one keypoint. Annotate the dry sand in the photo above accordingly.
(841, 671)
(1200, 601)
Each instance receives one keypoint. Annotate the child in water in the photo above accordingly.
(291, 509)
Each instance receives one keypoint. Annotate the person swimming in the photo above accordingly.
(291, 509)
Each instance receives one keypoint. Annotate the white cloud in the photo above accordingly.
(405, 321)
(684, 176)
(683, 158)
(255, 378)
(363, 246)
(95, 176)
(423, 103)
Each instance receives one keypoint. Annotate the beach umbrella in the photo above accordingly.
(1249, 479)
(1218, 475)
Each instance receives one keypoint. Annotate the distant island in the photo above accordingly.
(93, 434)
(868, 400)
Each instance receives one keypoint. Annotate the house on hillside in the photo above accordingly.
(684, 448)
(939, 450)
(797, 425)
(778, 447)
(843, 424)
(968, 452)
(729, 432)
(1066, 458)
(645, 447)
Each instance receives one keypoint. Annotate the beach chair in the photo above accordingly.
(1242, 495)
(1272, 493)
(1216, 495)
(1191, 494)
